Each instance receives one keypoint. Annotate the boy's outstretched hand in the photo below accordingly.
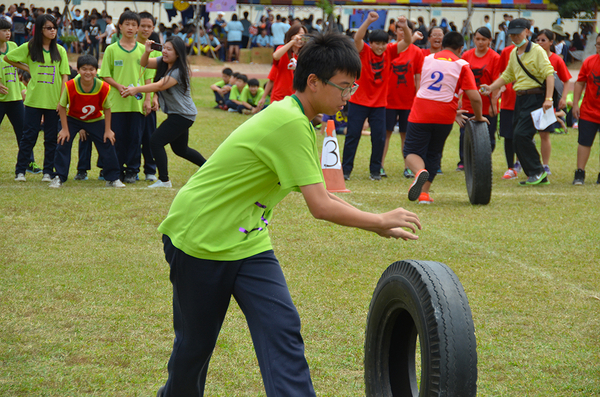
(395, 221)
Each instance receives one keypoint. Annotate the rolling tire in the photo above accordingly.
(425, 300)
(478, 162)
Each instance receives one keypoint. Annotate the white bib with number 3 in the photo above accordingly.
(439, 78)
(330, 158)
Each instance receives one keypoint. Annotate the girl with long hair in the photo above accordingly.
(172, 83)
(48, 65)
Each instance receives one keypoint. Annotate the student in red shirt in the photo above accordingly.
(370, 99)
(403, 84)
(281, 76)
(442, 76)
(484, 65)
(436, 35)
(589, 113)
(507, 108)
(545, 39)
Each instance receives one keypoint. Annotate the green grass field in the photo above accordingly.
(85, 299)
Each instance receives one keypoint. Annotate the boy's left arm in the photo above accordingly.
(108, 132)
(65, 78)
(362, 31)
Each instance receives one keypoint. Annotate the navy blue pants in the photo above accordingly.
(202, 290)
(357, 114)
(127, 127)
(31, 131)
(15, 112)
(106, 150)
(149, 126)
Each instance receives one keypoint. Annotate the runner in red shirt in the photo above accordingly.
(403, 84)
(507, 108)
(370, 99)
(281, 76)
(442, 76)
(589, 113)
(545, 39)
(484, 65)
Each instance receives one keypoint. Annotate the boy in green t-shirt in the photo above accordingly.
(250, 97)
(221, 88)
(236, 92)
(216, 239)
(121, 68)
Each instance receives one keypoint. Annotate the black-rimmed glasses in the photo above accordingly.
(347, 91)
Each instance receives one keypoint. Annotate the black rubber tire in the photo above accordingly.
(478, 162)
(426, 300)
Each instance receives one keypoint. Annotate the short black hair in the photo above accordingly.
(378, 36)
(4, 24)
(453, 40)
(253, 83)
(227, 71)
(87, 59)
(128, 16)
(242, 77)
(235, 75)
(324, 55)
(147, 15)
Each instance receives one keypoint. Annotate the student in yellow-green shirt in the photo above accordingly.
(48, 65)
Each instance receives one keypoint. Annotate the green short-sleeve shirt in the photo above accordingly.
(124, 67)
(43, 90)
(251, 99)
(235, 93)
(9, 76)
(223, 211)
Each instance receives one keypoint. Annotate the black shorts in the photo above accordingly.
(393, 116)
(427, 141)
(234, 43)
(506, 123)
(587, 132)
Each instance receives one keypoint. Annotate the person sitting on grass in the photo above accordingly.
(86, 97)
(221, 88)
(235, 94)
(209, 45)
(250, 97)
(216, 237)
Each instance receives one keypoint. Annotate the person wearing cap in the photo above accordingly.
(530, 96)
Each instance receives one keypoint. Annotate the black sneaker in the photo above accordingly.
(580, 177)
(101, 175)
(33, 168)
(382, 173)
(375, 177)
(81, 176)
(129, 178)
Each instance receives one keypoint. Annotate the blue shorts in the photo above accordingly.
(587, 132)
(393, 116)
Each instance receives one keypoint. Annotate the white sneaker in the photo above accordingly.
(151, 177)
(56, 182)
(115, 183)
(160, 183)
(46, 178)
(20, 178)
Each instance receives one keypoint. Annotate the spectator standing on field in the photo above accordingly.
(92, 36)
(246, 33)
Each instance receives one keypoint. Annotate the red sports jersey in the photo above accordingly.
(282, 75)
(442, 76)
(372, 84)
(559, 67)
(485, 70)
(401, 81)
(509, 96)
(426, 51)
(86, 105)
(590, 74)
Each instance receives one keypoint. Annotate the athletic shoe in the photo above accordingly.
(415, 188)
(576, 125)
(20, 177)
(425, 199)
(56, 182)
(375, 177)
(439, 172)
(510, 174)
(115, 183)
(408, 173)
(382, 173)
(151, 177)
(33, 168)
(540, 179)
(579, 177)
(518, 167)
(460, 167)
(232, 110)
(129, 178)
(346, 177)
(46, 178)
(160, 183)
(547, 169)
(81, 176)
(101, 176)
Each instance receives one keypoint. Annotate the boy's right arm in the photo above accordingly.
(579, 86)
(63, 135)
(113, 83)
(324, 205)
(362, 31)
